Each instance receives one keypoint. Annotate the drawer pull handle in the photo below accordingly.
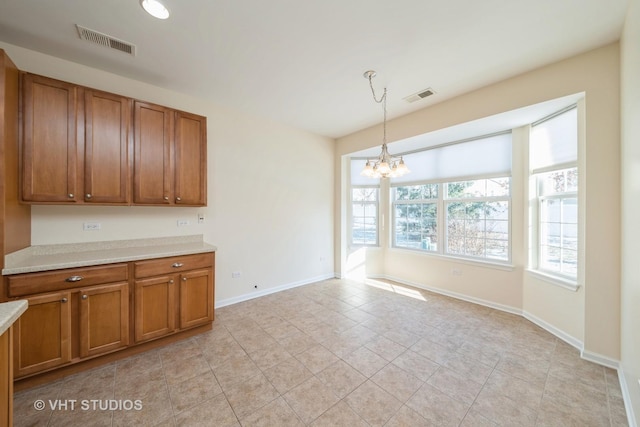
(177, 265)
(73, 279)
(84, 296)
(63, 300)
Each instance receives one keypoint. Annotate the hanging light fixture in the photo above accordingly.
(385, 165)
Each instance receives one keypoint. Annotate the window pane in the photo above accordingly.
(570, 211)
(364, 194)
(364, 212)
(497, 187)
(550, 210)
(550, 258)
(497, 210)
(416, 225)
(498, 249)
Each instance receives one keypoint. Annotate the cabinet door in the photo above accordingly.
(6, 378)
(104, 318)
(42, 335)
(49, 144)
(152, 167)
(107, 122)
(196, 298)
(155, 310)
(191, 159)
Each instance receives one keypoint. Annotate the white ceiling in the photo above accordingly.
(301, 62)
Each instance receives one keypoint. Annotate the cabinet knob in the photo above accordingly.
(63, 300)
(70, 195)
(171, 282)
(84, 297)
(166, 197)
(88, 196)
(184, 279)
(177, 265)
(73, 279)
(178, 199)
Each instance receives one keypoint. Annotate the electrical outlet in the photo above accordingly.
(200, 218)
(456, 272)
(91, 226)
(236, 274)
(183, 222)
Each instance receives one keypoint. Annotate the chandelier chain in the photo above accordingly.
(383, 101)
(385, 165)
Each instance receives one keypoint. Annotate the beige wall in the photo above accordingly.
(590, 315)
(273, 225)
(630, 48)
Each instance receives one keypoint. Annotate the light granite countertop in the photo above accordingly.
(56, 257)
(9, 313)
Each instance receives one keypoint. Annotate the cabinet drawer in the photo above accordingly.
(170, 265)
(33, 283)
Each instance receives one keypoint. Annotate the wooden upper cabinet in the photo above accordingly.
(191, 159)
(152, 168)
(169, 156)
(81, 145)
(49, 143)
(107, 123)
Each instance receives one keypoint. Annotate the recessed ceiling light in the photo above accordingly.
(155, 8)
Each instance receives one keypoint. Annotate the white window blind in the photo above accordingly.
(480, 157)
(554, 142)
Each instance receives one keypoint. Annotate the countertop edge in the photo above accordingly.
(9, 313)
(30, 260)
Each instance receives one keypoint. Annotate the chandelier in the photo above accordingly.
(385, 165)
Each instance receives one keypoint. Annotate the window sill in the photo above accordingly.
(468, 261)
(554, 280)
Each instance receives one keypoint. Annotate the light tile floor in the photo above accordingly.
(339, 353)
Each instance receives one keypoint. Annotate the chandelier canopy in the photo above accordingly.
(385, 165)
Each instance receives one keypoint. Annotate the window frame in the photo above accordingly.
(480, 199)
(442, 203)
(437, 201)
(538, 246)
(536, 195)
(352, 217)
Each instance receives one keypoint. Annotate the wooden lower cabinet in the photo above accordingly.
(104, 319)
(82, 313)
(169, 303)
(196, 298)
(42, 335)
(155, 308)
(6, 378)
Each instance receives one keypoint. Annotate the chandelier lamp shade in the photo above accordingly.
(385, 165)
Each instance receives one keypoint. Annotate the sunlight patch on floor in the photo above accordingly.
(396, 288)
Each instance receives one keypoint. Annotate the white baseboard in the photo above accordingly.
(257, 294)
(572, 341)
(631, 418)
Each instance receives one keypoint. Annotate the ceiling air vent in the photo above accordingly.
(420, 95)
(105, 40)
